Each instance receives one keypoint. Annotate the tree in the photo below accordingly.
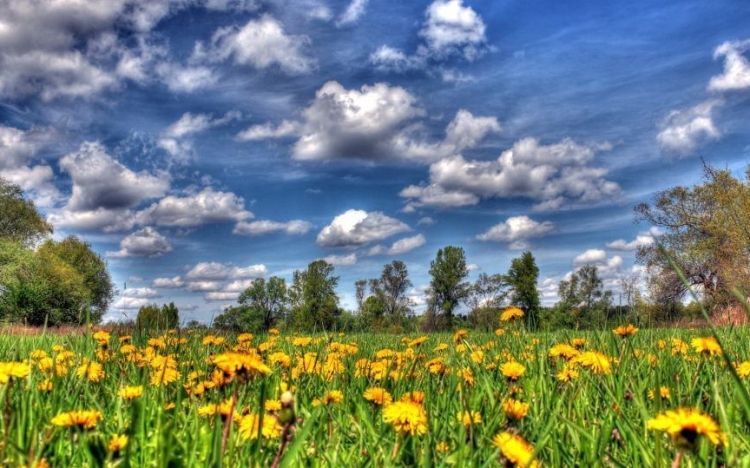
(19, 219)
(265, 300)
(447, 287)
(583, 300)
(154, 318)
(391, 289)
(484, 298)
(705, 233)
(522, 278)
(313, 297)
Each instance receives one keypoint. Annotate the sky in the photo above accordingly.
(198, 145)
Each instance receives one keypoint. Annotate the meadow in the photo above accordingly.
(628, 397)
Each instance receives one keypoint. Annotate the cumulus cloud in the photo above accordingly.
(175, 138)
(353, 13)
(552, 175)
(146, 293)
(130, 303)
(643, 239)
(736, 74)
(221, 296)
(99, 181)
(260, 43)
(214, 271)
(168, 283)
(450, 30)
(684, 130)
(146, 242)
(375, 122)
(399, 247)
(341, 260)
(590, 257)
(205, 207)
(18, 164)
(261, 227)
(517, 230)
(355, 228)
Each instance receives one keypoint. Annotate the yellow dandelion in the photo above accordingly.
(579, 343)
(377, 395)
(417, 341)
(514, 409)
(406, 417)
(516, 451)
(595, 361)
(15, 370)
(102, 337)
(625, 331)
(415, 397)
(511, 313)
(743, 369)
(459, 336)
(468, 418)
(686, 425)
(499, 332)
(92, 370)
(131, 392)
(512, 370)
(250, 423)
(706, 345)
(81, 419)
(442, 447)
(563, 350)
(117, 443)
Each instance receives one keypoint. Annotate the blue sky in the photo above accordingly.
(199, 145)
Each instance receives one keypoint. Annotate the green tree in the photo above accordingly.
(19, 219)
(154, 318)
(266, 300)
(583, 301)
(705, 231)
(485, 298)
(522, 278)
(313, 297)
(447, 286)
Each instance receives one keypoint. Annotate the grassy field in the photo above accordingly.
(469, 399)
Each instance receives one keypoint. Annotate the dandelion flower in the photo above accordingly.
(407, 417)
(131, 392)
(377, 395)
(515, 450)
(625, 331)
(515, 409)
(81, 419)
(117, 443)
(706, 345)
(16, 370)
(510, 314)
(249, 427)
(512, 370)
(743, 369)
(685, 425)
(595, 361)
(467, 418)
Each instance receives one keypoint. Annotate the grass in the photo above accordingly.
(597, 419)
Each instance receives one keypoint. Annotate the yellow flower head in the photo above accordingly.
(595, 361)
(743, 369)
(415, 397)
(117, 443)
(512, 370)
(624, 331)
(91, 370)
(417, 341)
(467, 418)
(499, 332)
(459, 336)
(249, 427)
(510, 314)
(102, 337)
(407, 417)
(442, 447)
(563, 350)
(81, 419)
(331, 398)
(706, 345)
(579, 343)
(232, 363)
(131, 392)
(16, 370)
(685, 425)
(378, 396)
(515, 409)
(516, 451)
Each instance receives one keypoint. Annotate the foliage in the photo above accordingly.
(152, 318)
(261, 306)
(485, 298)
(583, 301)
(522, 277)
(447, 286)
(386, 307)
(313, 297)
(19, 219)
(705, 231)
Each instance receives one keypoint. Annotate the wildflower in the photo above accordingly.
(440, 347)
(467, 418)
(706, 345)
(579, 343)
(102, 337)
(625, 331)
(460, 335)
(511, 313)
(250, 423)
(81, 419)
(244, 338)
(499, 332)
(679, 347)
(567, 374)
(685, 425)
(468, 376)
(477, 356)
(407, 417)
(743, 369)
(117, 443)
(512, 370)
(515, 450)
(131, 392)
(16, 370)
(415, 397)
(564, 351)
(417, 341)
(91, 370)
(163, 377)
(442, 447)
(595, 361)
(515, 409)
(273, 331)
(45, 386)
(332, 397)
(272, 405)
(224, 409)
(664, 393)
(377, 395)
(232, 363)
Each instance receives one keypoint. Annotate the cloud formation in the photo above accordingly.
(552, 175)
(736, 74)
(517, 230)
(264, 226)
(146, 242)
(399, 247)
(355, 228)
(683, 131)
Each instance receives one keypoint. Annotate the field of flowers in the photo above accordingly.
(626, 398)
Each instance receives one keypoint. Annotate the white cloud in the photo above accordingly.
(261, 43)
(399, 247)
(452, 28)
(517, 230)
(141, 292)
(354, 228)
(353, 13)
(683, 131)
(341, 260)
(101, 182)
(130, 303)
(221, 296)
(214, 271)
(426, 221)
(261, 132)
(590, 257)
(552, 175)
(18, 155)
(168, 283)
(185, 79)
(146, 242)
(260, 227)
(205, 207)
(202, 286)
(736, 74)
(641, 240)
(175, 138)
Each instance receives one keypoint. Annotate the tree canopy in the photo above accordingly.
(447, 286)
(522, 277)
(19, 219)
